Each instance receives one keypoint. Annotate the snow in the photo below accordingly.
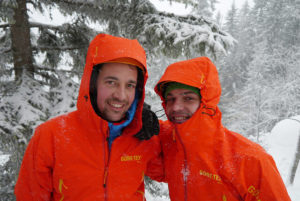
(174, 7)
(4, 159)
(192, 30)
(182, 9)
(52, 16)
(282, 143)
(224, 6)
(150, 197)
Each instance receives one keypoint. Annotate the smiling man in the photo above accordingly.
(116, 86)
(182, 101)
(102, 150)
(203, 160)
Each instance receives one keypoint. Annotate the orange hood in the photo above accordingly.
(199, 72)
(104, 49)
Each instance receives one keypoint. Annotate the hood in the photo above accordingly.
(198, 72)
(104, 49)
(205, 124)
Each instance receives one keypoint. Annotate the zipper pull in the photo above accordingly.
(105, 178)
(174, 135)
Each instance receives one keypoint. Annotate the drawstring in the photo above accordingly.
(204, 107)
(209, 108)
(159, 110)
(161, 114)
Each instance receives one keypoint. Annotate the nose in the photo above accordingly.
(120, 93)
(177, 105)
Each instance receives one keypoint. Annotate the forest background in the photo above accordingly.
(256, 50)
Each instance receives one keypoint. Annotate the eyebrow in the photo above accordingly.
(111, 78)
(132, 81)
(184, 93)
(114, 78)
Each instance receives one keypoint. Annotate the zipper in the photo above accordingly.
(185, 166)
(106, 163)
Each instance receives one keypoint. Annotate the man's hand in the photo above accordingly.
(150, 124)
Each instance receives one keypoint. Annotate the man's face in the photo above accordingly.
(181, 104)
(116, 85)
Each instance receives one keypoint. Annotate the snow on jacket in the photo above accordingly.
(205, 161)
(68, 158)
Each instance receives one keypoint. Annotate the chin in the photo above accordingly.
(110, 118)
(113, 119)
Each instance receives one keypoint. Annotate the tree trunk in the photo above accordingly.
(296, 160)
(21, 45)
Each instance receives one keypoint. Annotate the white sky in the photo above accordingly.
(223, 6)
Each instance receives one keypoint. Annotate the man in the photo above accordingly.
(96, 152)
(203, 160)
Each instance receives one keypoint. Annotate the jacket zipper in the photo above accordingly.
(185, 166)
(106, 164)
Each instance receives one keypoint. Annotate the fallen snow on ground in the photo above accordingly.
(282, 144)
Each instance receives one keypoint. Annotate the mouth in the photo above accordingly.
(179, 119)
(116, 106)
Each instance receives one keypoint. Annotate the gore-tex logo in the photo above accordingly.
(131, 158)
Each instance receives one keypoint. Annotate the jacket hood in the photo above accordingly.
(229, 164)
(104, 49)
(198, 72)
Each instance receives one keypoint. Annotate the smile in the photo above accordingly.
(116, 105)
(179, 118)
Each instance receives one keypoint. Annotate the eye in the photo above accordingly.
(188, 98)
(111, 82)
(170, 99)
(131, 86)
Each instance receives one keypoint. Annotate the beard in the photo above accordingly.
(109, 114)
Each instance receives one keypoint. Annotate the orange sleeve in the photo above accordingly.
(35, 176)
(269, 186)
(155, 169)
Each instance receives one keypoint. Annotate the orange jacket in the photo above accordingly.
(204, 160)
(68, 157)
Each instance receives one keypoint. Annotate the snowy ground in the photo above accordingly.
(282, 145)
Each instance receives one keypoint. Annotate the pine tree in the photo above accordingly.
(278, 49)
(230, 64)
(270, 91)
(23, 107)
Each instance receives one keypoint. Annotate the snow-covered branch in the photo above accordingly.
(43, 68)
(4, 50)
(168, 33)
(3, 26)
(42, 25)
(62, 48)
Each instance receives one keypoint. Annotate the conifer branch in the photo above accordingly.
(42, 25)
(3, 26)
(5, 50)
(62, 48)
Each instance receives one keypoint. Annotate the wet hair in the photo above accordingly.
(93, 86)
